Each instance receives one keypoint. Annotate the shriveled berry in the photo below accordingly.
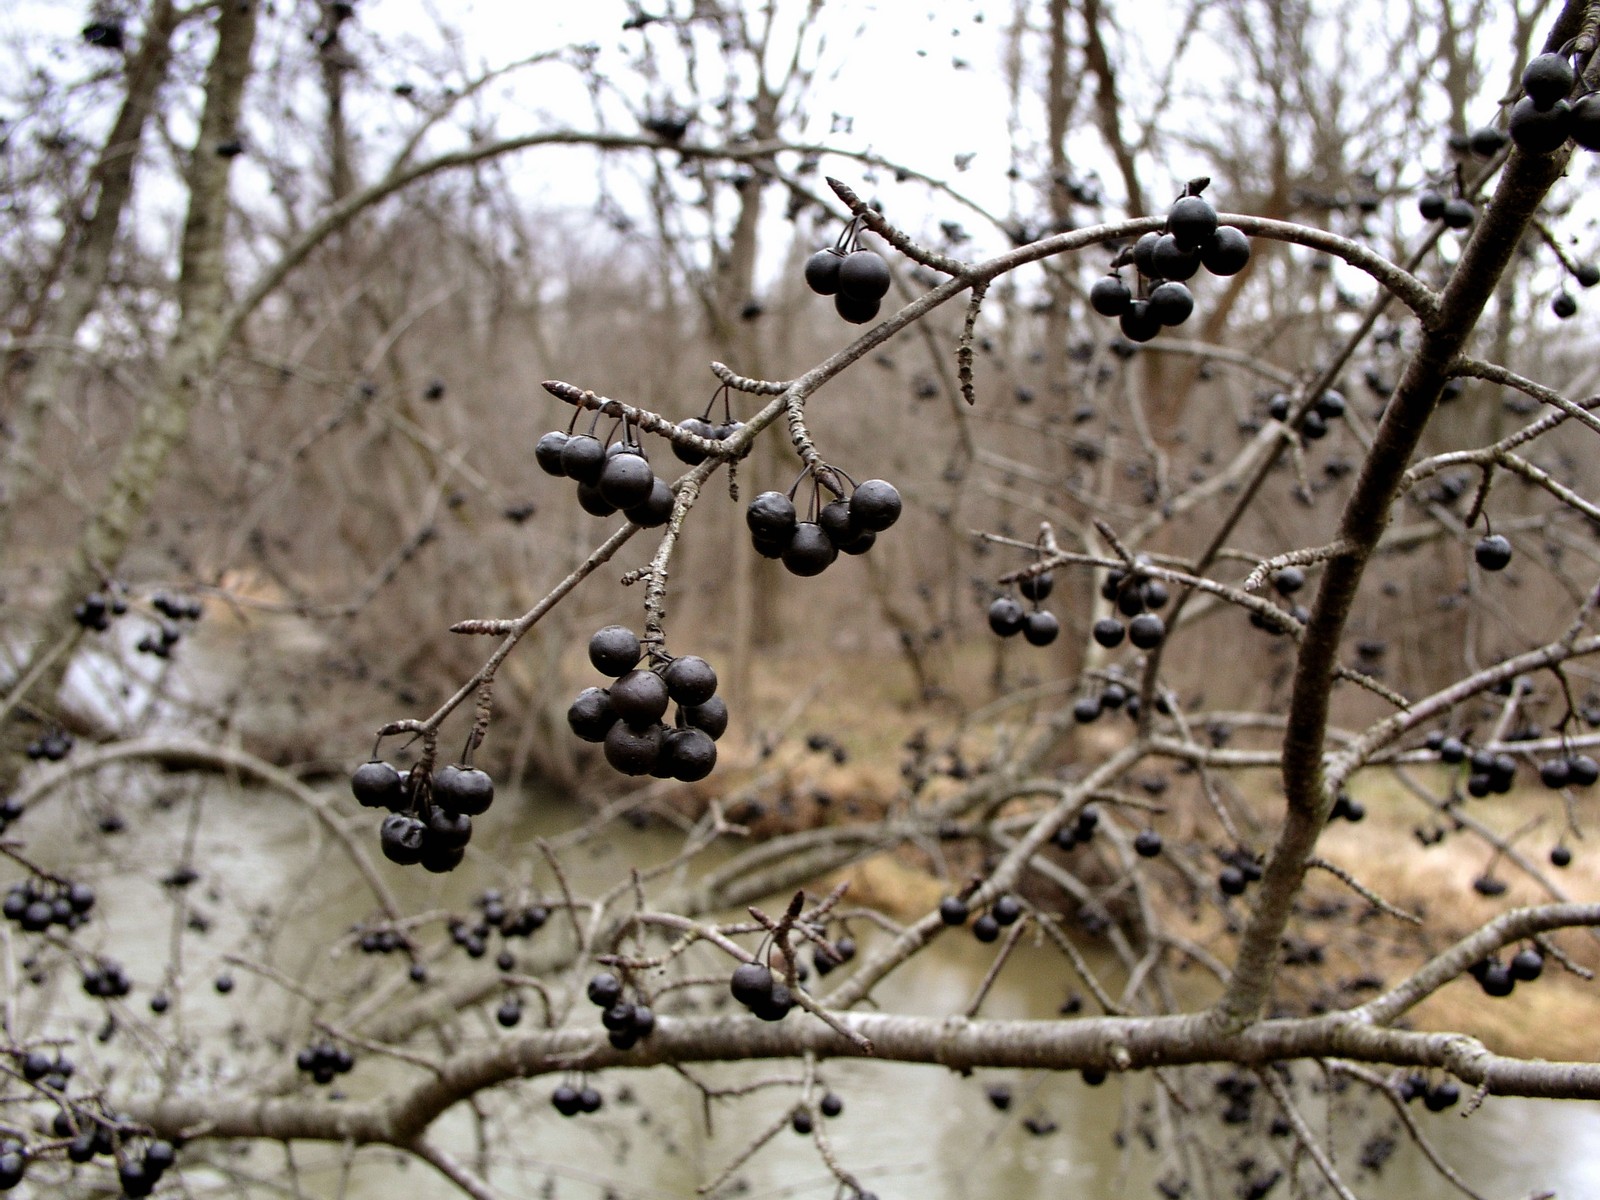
(590, 715)
(771, 515)
(461, 789)
(633, 751)
(547, 453)
(401, 838)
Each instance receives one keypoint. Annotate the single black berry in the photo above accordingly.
(548, 453)
(953, 910)
(857, 310)
(377, 785)
(810, 551)
(1146, 631)
(1431, 205)
(864, 274)
(633, 751)
(1110, 296)
(1109, 632)
(1536, 130)
(1493, 552)
(771, 516)
(1138, 323)
(1227, 253)
(461, 789)
(1147, 843)
(1459, 213)
(822, 271)
(712, 716)
(1171, 303)
(1192, 221)
(1040, 627)
(986, 928)
(875, 505)
(690, 680)
(687, 754)
(640, 698)
(1036, 587)
(583, 458)
(626, 480)
(1548, 78)
(401, 838)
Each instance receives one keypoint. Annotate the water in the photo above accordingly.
(907, 1131)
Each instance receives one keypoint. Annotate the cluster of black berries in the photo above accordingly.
(1115, 695)
(1137, 598)
(627, 717)
(829, 1106)
(754, 986)
(857, 279)
(1498, 978)
(810, 547)
(1571, 770)
(107, 980)
(1347, 808)
(1287, 582)
(88, 1135)
(50, 1071)
(52, 746)
(37, 904)
(499, 917)
(431, 827)
(609, 477)
(1434, 1097)
(382, 941)
(1080, 832)
(1239, 870)
(323, 1061)
(569, 1101)
(1038, 625)
(1543, 120)
(627, 1022)
(178, 608)
(1006, 910)
(827, 958)
(94, 611)
(1329, 406)
(1456, 212)
(1164, 261)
